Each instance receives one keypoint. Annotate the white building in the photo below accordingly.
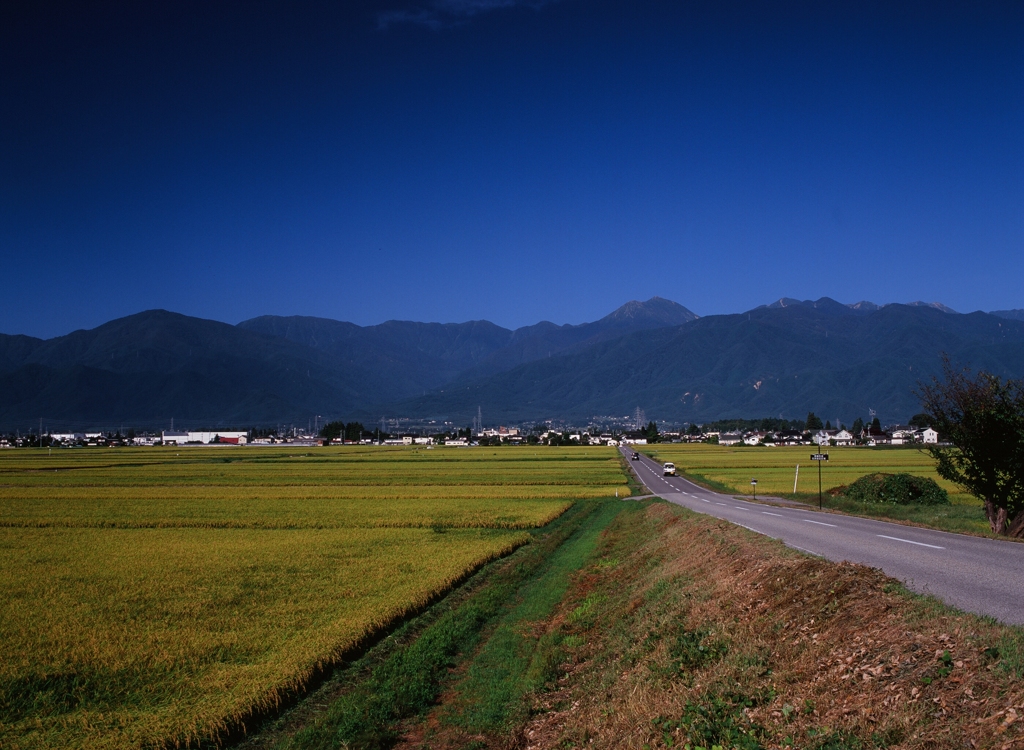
(205, 438)
(929, 436)
(223, 436)
(843, 437)
(821, 437)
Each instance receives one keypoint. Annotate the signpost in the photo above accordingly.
(753, 483)
(819, 457)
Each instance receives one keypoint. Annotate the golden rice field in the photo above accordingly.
(153, 596)
(775, 468)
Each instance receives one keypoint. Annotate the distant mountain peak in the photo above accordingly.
(862, 306)
(1009, 314)
(656, 309)
(865, 305)
(936, 305)
(784, 302)
(825, 303)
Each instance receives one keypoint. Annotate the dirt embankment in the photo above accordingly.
(692, 631)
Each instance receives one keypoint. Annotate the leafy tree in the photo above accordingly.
(332, 430)
(982, 417)
(828, 425)
(920, 421)
(858, 426)
(652, 433)
(813, 422)
(876, 426)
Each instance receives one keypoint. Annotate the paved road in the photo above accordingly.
(985, 576)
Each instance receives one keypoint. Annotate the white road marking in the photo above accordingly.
(737, 507)
(804, 549)
(908, 541)
(705, 501)
(808, 520)
(719, 503)
(777, 515)
(750, 529)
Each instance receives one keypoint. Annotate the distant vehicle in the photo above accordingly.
(635, 456)
(669, 469)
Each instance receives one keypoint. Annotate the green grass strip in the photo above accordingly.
(408, 680)
(513, 663)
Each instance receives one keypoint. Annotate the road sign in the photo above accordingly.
(819, 457)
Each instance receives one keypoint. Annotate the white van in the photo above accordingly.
(669, 469)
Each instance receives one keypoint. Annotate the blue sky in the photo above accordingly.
(449, 160)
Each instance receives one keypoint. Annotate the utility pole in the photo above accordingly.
(819, 457)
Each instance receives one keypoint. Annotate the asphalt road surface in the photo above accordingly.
(984, 576)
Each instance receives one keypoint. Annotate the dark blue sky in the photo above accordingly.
(448, 160)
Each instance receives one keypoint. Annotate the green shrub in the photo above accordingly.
(897, 489)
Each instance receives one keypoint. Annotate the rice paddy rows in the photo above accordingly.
(154, 596)
(116, 638)
(775, 468)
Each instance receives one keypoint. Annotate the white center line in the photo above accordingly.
(705, 501)
(719, 503)
(777, 515)
(808, 520)
(737, 507)
(908, 541)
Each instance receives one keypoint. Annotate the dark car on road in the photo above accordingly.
(635, 456)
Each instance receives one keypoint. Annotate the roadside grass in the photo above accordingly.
(702, 634)
(729, 469)
(960, 519)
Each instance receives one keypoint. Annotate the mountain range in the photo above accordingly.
(782, 359)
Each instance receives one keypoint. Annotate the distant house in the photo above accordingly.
(929, 436)
(843, 437)
(873, 437)
(174, 438)
(904, 436)
(457, 442)
(730, 438)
